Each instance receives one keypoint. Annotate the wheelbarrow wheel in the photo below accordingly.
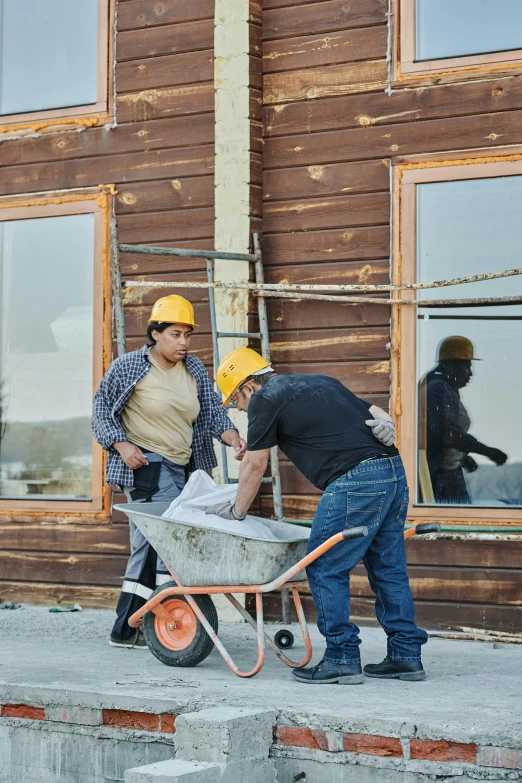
(184, 641)
(284, 639)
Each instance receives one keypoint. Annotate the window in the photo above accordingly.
(438, 36)
(51, 351)
(53, 58)
(460, 370)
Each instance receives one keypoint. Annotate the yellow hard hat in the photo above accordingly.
(173, 309)
(235, 367)
(456, 347)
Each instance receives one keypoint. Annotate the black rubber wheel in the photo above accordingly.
(284, 639)
(184, 642)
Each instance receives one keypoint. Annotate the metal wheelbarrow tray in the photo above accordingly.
(179, 620)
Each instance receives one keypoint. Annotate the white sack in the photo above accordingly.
(201, 492)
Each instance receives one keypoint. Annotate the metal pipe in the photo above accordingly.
(117, 296)
(253, 335)
(265, 351)
(215, 351)
(475, 302)
(150, 250)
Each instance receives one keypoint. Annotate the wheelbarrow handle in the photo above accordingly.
(355, 532)
(427, 527)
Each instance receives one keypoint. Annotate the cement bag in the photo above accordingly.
(201, 491)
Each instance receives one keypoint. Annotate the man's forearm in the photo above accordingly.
(250, 476)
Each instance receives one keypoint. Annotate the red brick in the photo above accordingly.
(127, 719)
(167, 724)
(297, 737)
(22, 711)
(373, 745)
(505, 758)
(438, 750)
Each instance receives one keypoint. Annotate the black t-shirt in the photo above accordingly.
(317, 422)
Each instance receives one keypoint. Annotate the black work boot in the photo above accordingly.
(325, 673)
(396, 670)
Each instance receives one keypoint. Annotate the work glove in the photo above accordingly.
(225, 511)
(383, 430)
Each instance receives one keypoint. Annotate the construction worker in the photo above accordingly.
(447, 422)
(155, 413)
(326, 432)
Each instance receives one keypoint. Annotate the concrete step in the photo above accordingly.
(175, 771)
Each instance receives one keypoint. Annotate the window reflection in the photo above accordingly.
(46, 351)
(455, 28)
(468, 367)
(48, 54)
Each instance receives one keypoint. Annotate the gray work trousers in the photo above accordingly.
(145, 569)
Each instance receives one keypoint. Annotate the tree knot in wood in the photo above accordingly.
(364, 120)
(315, 172)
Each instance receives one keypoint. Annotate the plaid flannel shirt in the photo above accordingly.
(113, 394)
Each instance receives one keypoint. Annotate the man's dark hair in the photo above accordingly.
(261, 380)
(156, 326)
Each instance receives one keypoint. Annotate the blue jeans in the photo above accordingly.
(374, 494)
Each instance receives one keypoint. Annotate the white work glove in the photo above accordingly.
(225, 511)
(383, 430)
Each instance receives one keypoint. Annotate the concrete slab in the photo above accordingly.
(472, 694)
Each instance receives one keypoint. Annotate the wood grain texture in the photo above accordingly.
(315, 181)
(485, 130)
(165, 226)
(314, 18)
(165, 102)
(325, 82)
(342, 273)
(35, 593)
(429, 614)
(171, 39)
(102, 539)
(403, 106)
(167, 71)
(91, 569)
(167, 194)
(327, 246)
(319, 213)
(84, 172)
(286, 315)
(137, 14)
(332, 48)
(330, 345)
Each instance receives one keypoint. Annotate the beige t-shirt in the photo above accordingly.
(161, 410)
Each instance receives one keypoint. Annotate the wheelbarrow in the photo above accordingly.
(179, 621)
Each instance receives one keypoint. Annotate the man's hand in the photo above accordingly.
(231, 438)
(496, 455)
(132, 456)
(225, 511)
(383, 430)
(469, 464)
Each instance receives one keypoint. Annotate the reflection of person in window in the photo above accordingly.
(448, 442)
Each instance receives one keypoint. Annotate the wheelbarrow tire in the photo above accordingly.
(187, 645)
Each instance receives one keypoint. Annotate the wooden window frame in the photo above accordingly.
(97, 202)
(406, 176)
(89, 114)
(408, 68)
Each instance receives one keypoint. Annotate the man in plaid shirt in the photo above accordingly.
(155, 413)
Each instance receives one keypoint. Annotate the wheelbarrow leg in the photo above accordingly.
(221, 647)
(302, 622)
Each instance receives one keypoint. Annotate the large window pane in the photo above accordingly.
(453, 28)
(49, 54)
(469, 371)
(46, 351)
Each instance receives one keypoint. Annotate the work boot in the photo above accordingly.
(325, 673)
(396, 670)
(136, 640)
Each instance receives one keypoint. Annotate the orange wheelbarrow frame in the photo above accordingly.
(284, 581)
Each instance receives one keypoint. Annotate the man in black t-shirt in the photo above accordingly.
(327, 432)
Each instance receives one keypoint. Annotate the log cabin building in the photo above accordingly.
(368, 142)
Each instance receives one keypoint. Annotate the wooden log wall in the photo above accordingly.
(161, 158)
(331, 133)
